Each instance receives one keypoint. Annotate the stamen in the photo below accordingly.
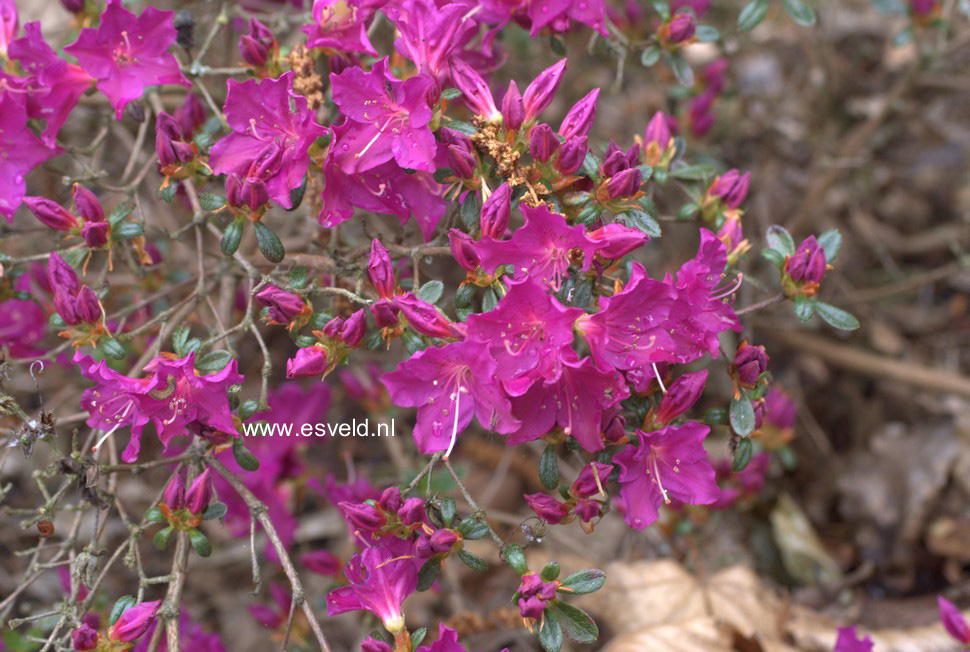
(120, 417)
(656, 372)
(454, 428)
(656, 477)
(599, 485)
(380, 132)
(731, 289)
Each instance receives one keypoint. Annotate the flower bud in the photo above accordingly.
(591, 480)
(199, 494)
(513, 108)
(617, 240)
(425, 318)
(73, 6)
(51, 214)
(169, 142)
(475, 91)
(256, 45)
(807, 264)
(587, 510)
(538, 95)
(412, 511)
(571, 155)
(61, 277)
(174, 495)
(87, 307)
(461, 160)
(699, 112)
(354, 328)
(494, 220)
(191, 115)
(680, 28)
(332, 328)
(385, 313)
(731, 187)
(88, 206)
(547, 508)
(921, 7)
(390, 500)
(284, 307)
(615, 429)
(749, 363)
(657, 135)
(624, 184)
(246, 192)
(953, 621)
(681, 396)
(580, 118)
(714, 75)
(463, 250)
(310, 361)
(84, 638)
(443, 540)
(66, 307)
(9, 22)
(542, 142)
(381, 270)
(95, 234)
(374, 645)
(531, 607)
(363, 516)
(134, 622)
(529, 584)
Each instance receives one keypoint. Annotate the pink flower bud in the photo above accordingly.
(385, 313)
(9, 22)
(513, 109)
(354, 328)
(714, 75)
(571, 155)
(922, 7)
(580, 118)
(658, 131)
(463, 249)
(95, 234)
(749, 363)
(807, 264)
(587, 510)
(390, 500)
(539, 94)
(461, 160)
(681, 396)
(51, 214)
(87, 307)
(617, 240)
(699, 113)
(174, 495)
(494, 220)
(134, 622)
(624, 184)
(191, 115)
(169, 142)
(412, 511)
(88, 206)
(310, 361)
(73, 6)
(61, 277)
(443, 540)
(199, 494)
(591, 480)
(246, 192)
(84, 638)
(953, 621)
(547, 508)
(381, 270)
(283, 306)
(475, 91)
(542, 142)
(256, 45)
(374, 645)
(66, 307)
(425, 318)
(531, 607)
(731, 187)
(363, 516)
(681, 27)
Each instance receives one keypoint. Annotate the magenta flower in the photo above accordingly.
(450, 385)
(429, 33)
(547, 508)
(539, 94)
(848, 641)
(321, 562)
(270, 141)
(308, 361)
(539, 250)
(51, 214)
(9, 21)
(20, 150)
(731, 187)
(380, 270)
(425, 318)
(681, 396)
(668, 463)
(953, 621)
(54, 85)
(447, 641)
(579, 119)
(808, 264)
(256, 46)
(84, 638)
(134, 622)
(389, 119)
(556, 15)
(617, 240)
(380, 580)
(576, 400)
(341, 25)
(126, 53)
(526, 334)
(285, 308)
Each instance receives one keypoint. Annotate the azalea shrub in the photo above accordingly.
(258, 214)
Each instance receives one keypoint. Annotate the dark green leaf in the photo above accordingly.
(127, 230)
(830, 242)
(248, 408)
(800, 12)
(464, 295)
(550, 634)
(450, 93)
(200, 543)
(244, 458)
(231, 238)
(642, 221)
(122, 605)
(550, 572)
(804, 307)
(296, 195)
(428, 574)
(489, 300)
(576, 623)
(513, 555)
(591, 166)
(269, 243)
(160, 540)
(549, 467)
(418, 636)
(477, 531)
(431, 291)
(472, 561)
(692, 172)
(836, 317)
(662, 7)
(742, 455)
(583, 582)
(211, 202)
(682, 69)
(742, 416)
(462, 127)
(154, 515)
(179, 337)
(650, 56)
(298, 277)
(774, 257)
(214, 511)
(780, 240)
(707, 33)
(120, 212)
(167, 192)
(111, 348)
(213, 361)
(447, 508)
(589, 214)
(752, 14)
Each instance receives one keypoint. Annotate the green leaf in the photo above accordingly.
(428, 574)
(450, 93)
(471, 560)
(831, 243)
(471, 210)
(244, 458)
(576, 623)
(682, 70)
(214, 511)
(550, 634)
(447, 508)
(752, 14)
(662, 7)
(431, 291)
(123, 604)
(298, 277)
(549, 467)
(296, 195)
(804, 307)
(693, 172)
(248, 408)
(179, 337)
(742, 455)
(462, 127)
(583, 582)
(231, 238)
(642, 221)
(154, 515)
(111, 348)
(513, 555)
(742, 416)
(780, 240)
(707, 34)
(550, 572)
(167, 192)
(477, 531)
(200, 543)
(650, 56)
(160, 540)
(774, 257)
(836, 317)
(213, 361)
(589, 214)
(120, 212)
(418, 636)
(591, 165)
(127, 231)
(211, 202)
(269, 243)
(464, 295)
(489, 300)
(800, 12)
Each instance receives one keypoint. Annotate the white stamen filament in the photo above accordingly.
(656, 372)
(656, 477)
(380, 132)
(731, 289)
(454, 428)
(104, 437)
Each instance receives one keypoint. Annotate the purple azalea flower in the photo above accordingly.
(20, 150)
(540, 249)
(389, 119)
(953, 621)
(617, 240)
(449, 385)
(54, 85)
(22, 324)
(576, 400)
(579, 119)
(526, 333)
(380, 580)
(447, 641)
(269, 142)
(385, 189)
(126, 53)
(134, 622)
(425, 318)
(557, 15)
(341, 25)
(848, 641)
(547, 508)
(429, 34)
(668, 463)
(9, 21)
(681, 396)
